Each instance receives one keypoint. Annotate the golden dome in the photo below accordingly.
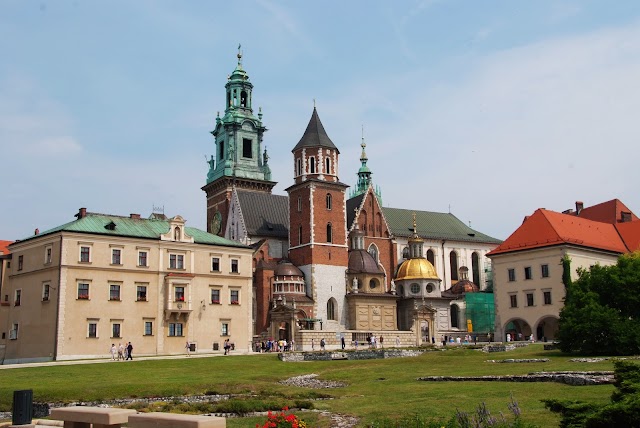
(419, 268)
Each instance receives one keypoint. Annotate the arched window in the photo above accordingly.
(431, 257)
(327, 165)
(299, 204)
(373, 283)
(373, 250)
(331, 309)
(405, 253)
(475, 268)
(243, 99)
(329, 233)
(235, 98)
(312, 165)
(453, 264)
(300, 235)
(176, 234)
(299, 166)
(328, 198)
(455, 314)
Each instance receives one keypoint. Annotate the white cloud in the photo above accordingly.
(56, 146)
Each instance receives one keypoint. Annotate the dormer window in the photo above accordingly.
(110, 226)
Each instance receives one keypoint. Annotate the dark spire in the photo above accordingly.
(315, 135)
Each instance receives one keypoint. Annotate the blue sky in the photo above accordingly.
(490, 109)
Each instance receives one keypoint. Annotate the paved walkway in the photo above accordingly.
(136, 358)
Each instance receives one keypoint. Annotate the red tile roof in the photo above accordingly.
(607, 212)
(546, 228)
(630, 233)
(4, 247)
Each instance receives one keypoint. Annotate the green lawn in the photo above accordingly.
(376, 388)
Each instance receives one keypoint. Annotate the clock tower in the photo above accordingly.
(240, 159)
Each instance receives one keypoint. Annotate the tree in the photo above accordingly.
(601, 313)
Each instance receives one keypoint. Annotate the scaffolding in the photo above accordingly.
(480, 311)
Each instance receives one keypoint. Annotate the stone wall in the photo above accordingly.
(303, 339)
(371, 354)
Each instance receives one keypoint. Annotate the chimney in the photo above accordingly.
(82, 213)
(625, 217)
(136, 216)
(36, 232)
(579, 207)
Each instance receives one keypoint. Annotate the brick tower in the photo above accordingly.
(317, 223)
(241, 160)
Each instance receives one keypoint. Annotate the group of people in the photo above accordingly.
(270, 345)
(121, 352)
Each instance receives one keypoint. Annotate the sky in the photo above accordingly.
(488, 110)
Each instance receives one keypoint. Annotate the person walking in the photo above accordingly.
(187, 349)
(130, 351)
(342, 342)
(322, 344)
(381, 342)
(313, 344)
(397, 341)
(120, 351)
(113, 351)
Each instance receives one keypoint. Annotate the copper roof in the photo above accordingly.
(286, 268)
(360, 261)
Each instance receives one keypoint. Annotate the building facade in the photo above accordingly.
(73, 291)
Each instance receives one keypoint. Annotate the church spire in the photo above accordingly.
(364, 174)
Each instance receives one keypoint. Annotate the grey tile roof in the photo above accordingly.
(265, 214)
(315, 135)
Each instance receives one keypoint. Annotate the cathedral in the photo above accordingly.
(335, 264)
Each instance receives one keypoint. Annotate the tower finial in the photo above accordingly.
(314, 103)
(414, 224)
(239, 55)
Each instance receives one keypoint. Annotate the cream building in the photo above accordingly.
(73, 291)
(528, 269)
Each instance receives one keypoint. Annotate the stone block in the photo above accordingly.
(84, 416)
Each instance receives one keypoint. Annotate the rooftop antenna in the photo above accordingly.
(158, 209)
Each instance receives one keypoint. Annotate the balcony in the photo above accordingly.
(174, 309)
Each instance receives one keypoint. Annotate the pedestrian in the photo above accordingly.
(322, 344)
(120, 351)
(397, 341)
(356, 343)
(113, 351)
(313, 344)
(292, 345)
(433, 340)
(475, 339)
(226, 346)
(442, 339)
(129, 351)
(342, 342)
(381, 342)
(187, 348)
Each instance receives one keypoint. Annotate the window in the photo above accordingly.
(299, 204)
(327, 165)
(114, 292)
(299, 235)
(331, 310)
(299, 166)
(547, 297)
(85, 254)
(141, 293)
(329, 233)
(415, 288)
(142, 258)
(20, 262)
(176, 261)
(93, 330)
(215, 264)
(13, 333)
(312, 165)
(47, 254)
(430, 288)
(175, 329)
(529, 299)
(455, 316)
(215, 296)
(221, 151)
(453, 264)
(224, 329)
(373, 250)
(512, 275)
(18, 297)
(514, 301)
(179, 294)
(431, 257)
(83, 291)
(115, 330)
(545, 271)
(45, 292)
(235, 297)
(116, 256)
(328, 200)
(148, 328)
(527, 272)
(234, 265)
(247, 150)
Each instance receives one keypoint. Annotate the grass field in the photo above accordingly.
(376, 388)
